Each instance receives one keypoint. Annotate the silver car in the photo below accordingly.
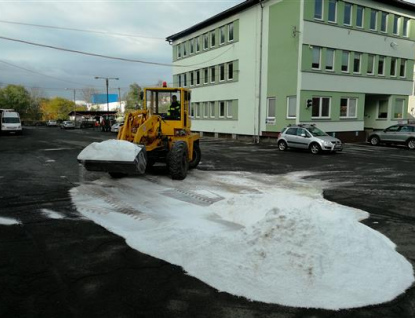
(67, 124)
(397, 134)
(308, 137)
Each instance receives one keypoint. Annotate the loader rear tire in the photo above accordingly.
(178, 162)
(197, 155)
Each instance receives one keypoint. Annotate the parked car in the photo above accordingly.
(308, 137)
(51, 123)
(116, 127)
(67, 125)
(403, 134)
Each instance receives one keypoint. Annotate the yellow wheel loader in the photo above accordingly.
(160, 132)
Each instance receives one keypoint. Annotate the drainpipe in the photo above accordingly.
(256, 138)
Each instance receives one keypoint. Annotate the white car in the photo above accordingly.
(67, 125)
(51, 123)
(116, 127)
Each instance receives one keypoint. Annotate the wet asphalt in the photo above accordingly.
(71, 267)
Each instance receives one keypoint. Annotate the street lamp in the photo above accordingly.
(74, 103)
(106, 83)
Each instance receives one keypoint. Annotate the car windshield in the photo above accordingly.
(316, 132)
(11, 120)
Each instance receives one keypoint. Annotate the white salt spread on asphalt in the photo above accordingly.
(8, 221)
(273, 239)
(110, 150)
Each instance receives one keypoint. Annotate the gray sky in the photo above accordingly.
(54, 70)
(147, 24)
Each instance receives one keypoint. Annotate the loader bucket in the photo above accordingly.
(114, 157)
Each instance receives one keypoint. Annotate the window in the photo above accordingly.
(212, 75)
(212, 109)
(291, 106)
(212, 39)
(180, 80)
(348, 107)
(271, 110)
(192, 79)
(347, 19)
(332, 11)
(221, 109)
(229, 112)
(318, 9)
(371, 64)
(405, 27)
(205, 41)
(316, 58)
(184, 80)
(345, 61)
(381, 65)
(222, 35)
(373, 20)
(357, 62)
(184, 49)
(393, 67)
(330, 60)
(206, 110)
(383, 109)
(384, 22)
(197, 77)
(192, 110)
(221, 72)
(398, 109)
(192, 46)
(197, 110)
(321, 107)
(360, 12)
(179, 51)
(230, 71)
(402, 68)
(197, 44)
(395, 25)
(206, 77)
(230, 32)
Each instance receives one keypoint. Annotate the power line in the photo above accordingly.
(81, 30)
(107, 56)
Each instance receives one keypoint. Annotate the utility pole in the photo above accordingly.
(107, 84)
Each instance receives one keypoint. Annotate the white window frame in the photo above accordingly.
(206, 76)
(222, 35)
(184, 49)
(401, 106)
(222, 71)
(271, 110)
(357, 54)
(179, 51)
(332, 2)
(363, 17)
(393, 70)
(319, 56)
(212, 109)
(184, 80)
(229, 113)
(230, 71)
(386, 15)
(320, 106)
(289, 99)
(205, 41)
(221, 109)
(406, 27)
(198, 44)
(213, 74)
(348, 61)
(213, 38)
(387, 109)
(404, 68)
(383, 65)
(396, 23)
(192, 79)
(321, 13)
(373, 64)
(348, 5)
(348, 107)
(231, 32)
(192, 46)
(192, 110)
(331, 60)
(197, 110)
(205, 110)
(376, 20)
(197, 77)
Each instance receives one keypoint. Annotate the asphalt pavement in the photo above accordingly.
(56, 263)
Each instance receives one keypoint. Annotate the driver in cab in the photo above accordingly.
(174, 109)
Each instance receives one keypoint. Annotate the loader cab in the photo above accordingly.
(158, 101)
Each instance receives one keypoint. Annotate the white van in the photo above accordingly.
(10, 122)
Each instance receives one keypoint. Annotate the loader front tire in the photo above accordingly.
(178, 162)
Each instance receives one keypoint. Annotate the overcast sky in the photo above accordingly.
(146, 24)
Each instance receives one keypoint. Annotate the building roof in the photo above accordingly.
(249, 3)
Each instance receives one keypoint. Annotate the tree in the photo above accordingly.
(16, 97)
(133, 97)
(56, 108)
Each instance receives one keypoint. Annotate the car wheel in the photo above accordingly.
(315, 148)
(374, 141)
(282, 145)
(411, 144)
